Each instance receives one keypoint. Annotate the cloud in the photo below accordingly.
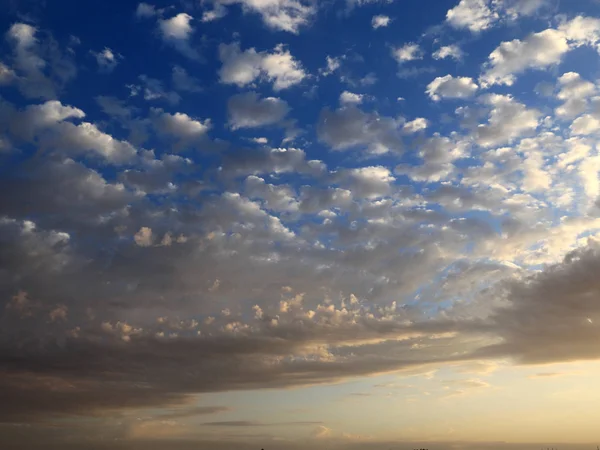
(242, 68)
(285, 15)
(106, 59)
(480, 15)
(475, 15)
(537, 51)
(369, 182)
(7, 75)
(276, 160)
(41, 68)
(350, 97)
(180, 125)
(252, 423)
(47, 125)
(380, 21)
(448, 51)
(125, 288)
(218, 12)
(416, 125)
(569, 287)
(182, 81)
(350, 127)
(178, 31)
(145, 10)
(451, 87)
(574, 92)
(114, 107)
(332, 64)
(508, 120)
(250, 111)
(585, 125)
(408, 52)
(153, 89)
(177, 27)
(143, 237)
(321, 432)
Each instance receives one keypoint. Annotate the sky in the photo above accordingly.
(299, 224)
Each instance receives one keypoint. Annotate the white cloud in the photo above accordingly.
(41, 69)
(474, 15)
(107, 60)
(507, 121)
(448, 51)
(380, 21)
(416, 125)
(332, 63)
(582, 31)
(218, 12)
(180, 125)
(242, 68)
(451, 87)
(250, 111)
(408, 52)
(350, 97)
(574, 92)
(368, 182)
(537, 51)
(177, 27)
(585, 125)
(285, 15)
(479, 15)
(177, 31)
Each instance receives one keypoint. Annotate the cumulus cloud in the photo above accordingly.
(369, 182)
(408, 52)
(585, 125)
(475, 15)
(285, 15)
(480, 15)
(451, 87)
(508, 120)
(180, 125)
(380, 21)
(106, 59)
(47, 125)
(41, 68)
(574, 92)
(347, 97)
(177, 31)
(448, 51)
(537, 51)
(332, 64)
(244, 67)
(350, 127)
(250, 111)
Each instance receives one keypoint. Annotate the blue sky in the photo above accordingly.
(254, 222)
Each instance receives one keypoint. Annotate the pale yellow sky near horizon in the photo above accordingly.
(514, 404)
